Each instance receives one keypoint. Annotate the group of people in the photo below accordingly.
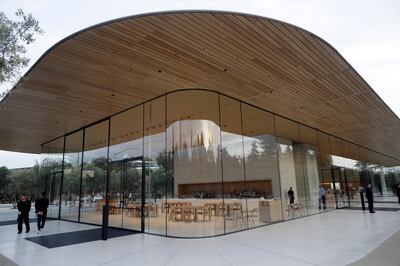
(322, 197)
(24, 208)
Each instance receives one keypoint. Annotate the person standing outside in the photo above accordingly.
(41, 206)
(24, 207)
(398, 192)
(370, 198)
(322, 197)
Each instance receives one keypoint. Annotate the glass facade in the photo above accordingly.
(196, 163)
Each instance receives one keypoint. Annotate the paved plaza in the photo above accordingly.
(334, 238)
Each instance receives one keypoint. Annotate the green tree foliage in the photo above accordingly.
(4, 180)
(19, 181)
(14, 36)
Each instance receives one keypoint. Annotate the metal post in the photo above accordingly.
(334, 187)
(143, 196)
(104, 228)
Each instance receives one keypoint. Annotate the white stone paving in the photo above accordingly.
(333, 238)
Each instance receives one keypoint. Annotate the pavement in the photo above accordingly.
(340, 237)
(387, 254)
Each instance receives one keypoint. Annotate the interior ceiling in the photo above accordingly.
(279, 67)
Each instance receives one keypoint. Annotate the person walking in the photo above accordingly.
(41, 206)
(322, 197)
(398, 192)
(291, 195)
(370, 198)
(24, 207)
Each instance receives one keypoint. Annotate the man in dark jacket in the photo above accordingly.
(398, 192)
(24, 207)
(370, 198)
(291, 195)
(41, 210)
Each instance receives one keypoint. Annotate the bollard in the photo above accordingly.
(104, 233)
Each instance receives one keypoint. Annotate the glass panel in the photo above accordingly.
(50, 170)
(339, 174)
(291, 159)
(94, 173)
(325, 163)
(126, 142)
(126, 135)
(261, 167)
(235, 210)
(72, 176)
(158, 165)
(126, 194)
(193, 134)
(315, 194)
(54, 194)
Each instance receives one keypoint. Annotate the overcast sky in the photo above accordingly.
(366, 33)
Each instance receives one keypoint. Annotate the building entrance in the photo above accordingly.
(126, 194)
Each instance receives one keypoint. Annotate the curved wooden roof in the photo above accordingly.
(271, 64)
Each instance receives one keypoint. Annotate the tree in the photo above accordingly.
(4, 172)
(14, 36)
(4, 181)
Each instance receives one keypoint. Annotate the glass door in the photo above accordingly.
(126, 194)
(340, 186)
(53, 191)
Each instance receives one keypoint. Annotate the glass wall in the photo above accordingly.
(195, 205)
(51, 172)
(315, 192)
(195, 163)
(234, 210)
(291, 154)
(158, 182)
(263, 193)
(125, 172)
(72, 176)
(94, 173)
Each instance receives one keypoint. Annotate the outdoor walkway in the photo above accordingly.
(334, 238)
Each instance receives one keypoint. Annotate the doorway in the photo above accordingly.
(53, 186)
(339, 175)
(126, 194)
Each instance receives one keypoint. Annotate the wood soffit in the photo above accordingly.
(279, 67)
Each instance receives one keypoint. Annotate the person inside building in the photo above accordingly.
(291, 195)
(41, 206)
(370, 198)
(24, 207)
(322, 197)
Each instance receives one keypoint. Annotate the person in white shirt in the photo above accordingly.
(322, 197)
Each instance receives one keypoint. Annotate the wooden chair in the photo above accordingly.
(203, 211)
(252, 216)
(188, 214)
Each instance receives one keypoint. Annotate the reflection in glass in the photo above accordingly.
(51, 171)
(158, 166)
(213, 165)
(195, 205)
(235, 194)
(125, 169)
(94, 173)
(72, 176)
(261, 167)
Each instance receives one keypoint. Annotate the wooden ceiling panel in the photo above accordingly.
(276, 66)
